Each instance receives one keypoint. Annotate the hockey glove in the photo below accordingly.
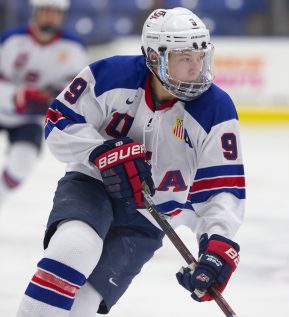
(30, 100)
(123, 169)
(218, 260)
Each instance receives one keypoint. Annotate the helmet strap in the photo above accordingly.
(162, 66)
(150, 65)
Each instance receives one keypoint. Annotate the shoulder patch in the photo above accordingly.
(71, 37)
(211, 108)
(119, 72)
(12, 32)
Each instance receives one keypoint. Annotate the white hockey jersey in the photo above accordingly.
(193, 147)
(24, 61)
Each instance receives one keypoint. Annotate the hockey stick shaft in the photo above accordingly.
(183, 250)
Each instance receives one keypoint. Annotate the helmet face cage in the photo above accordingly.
(168, 33)
(187, 89)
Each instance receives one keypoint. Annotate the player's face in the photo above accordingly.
(48, 20)
(185, 65)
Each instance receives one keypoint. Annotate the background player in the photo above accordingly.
(99, 235)
(37, 62)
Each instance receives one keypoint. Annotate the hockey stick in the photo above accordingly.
(183, 250)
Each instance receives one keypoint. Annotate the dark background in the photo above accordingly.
(100, 21)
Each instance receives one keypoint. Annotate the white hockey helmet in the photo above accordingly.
(168, 31)
(60, 4)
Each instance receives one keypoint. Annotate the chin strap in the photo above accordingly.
(162, 65)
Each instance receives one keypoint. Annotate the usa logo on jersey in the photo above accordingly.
(178, 128)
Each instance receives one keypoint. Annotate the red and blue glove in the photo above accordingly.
(123, 168)
(31, 100)
(218, 260)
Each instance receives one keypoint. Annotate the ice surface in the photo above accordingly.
(260, 286)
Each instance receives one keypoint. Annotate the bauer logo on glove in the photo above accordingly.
(119, 155)
(218, 260)
(123, 168)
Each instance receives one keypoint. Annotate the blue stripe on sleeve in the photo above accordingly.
(222, 170)
(59, 125)
(172, 205)
(205, 195)
(67, 112)
(69, 117)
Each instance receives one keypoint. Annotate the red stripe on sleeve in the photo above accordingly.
(218, 182)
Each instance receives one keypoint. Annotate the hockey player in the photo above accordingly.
(37, 62)
(122, 121)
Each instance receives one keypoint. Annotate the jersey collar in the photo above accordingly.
(149, 99)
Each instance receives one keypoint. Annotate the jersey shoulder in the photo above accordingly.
(72, 37)
(212, 108)
(23, 30)
(119, 72)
